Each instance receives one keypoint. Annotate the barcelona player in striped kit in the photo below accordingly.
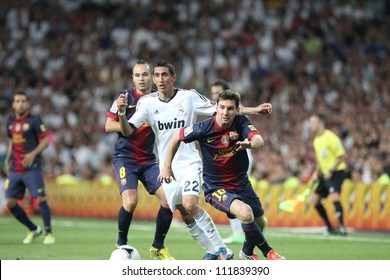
(133, 160)
(225, 164)
(27, 139)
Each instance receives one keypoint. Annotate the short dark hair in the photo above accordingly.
(20, 92)
(229, 94)
(321, 117)
(221, 83)
(164, 63)
(141, 61)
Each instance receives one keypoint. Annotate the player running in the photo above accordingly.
(225, 161)
(166, 111)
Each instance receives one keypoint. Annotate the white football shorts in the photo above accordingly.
(188, 182)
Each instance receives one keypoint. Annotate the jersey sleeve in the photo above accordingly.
(202, 105)
(190, 133)
(141, 115)
(39, 127)
(9, 122)
(248, 129)
(337, 145)
(112, 113)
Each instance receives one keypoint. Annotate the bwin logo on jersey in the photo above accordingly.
(171, 125)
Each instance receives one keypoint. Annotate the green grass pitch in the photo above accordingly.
(94, 239)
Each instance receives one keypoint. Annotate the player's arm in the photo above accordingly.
(8, 157)
(328, 175)
(121, 102)
(262, 109)
(166, 172)
(112, 125)
(256, 142)
(316, 172)
(28, 158)
(339, 160)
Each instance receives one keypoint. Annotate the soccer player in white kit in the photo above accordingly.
(166, 111)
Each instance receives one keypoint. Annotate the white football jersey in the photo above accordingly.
(167, 116)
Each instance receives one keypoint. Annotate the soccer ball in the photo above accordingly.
(125, 252)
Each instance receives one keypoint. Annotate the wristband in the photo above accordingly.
(121, 113)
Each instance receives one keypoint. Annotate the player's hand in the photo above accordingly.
(28, 159)
(327, 175)
(122, 101)
(314, 177)
(166, 175)
(242, 145)
(264, 109)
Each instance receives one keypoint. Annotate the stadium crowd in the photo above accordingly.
(333, 57)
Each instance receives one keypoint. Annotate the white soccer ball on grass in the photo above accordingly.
(125, 252)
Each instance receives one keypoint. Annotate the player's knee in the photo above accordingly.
(262, 222)
(130, 205)
(41, 199)
(334, 196)
(161, 197)
(10, 203)
(192, 208)
(314, 200)
(246, 214)
(187, 217)
(164, 204)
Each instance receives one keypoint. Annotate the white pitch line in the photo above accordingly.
(273, 232)
(322, 237)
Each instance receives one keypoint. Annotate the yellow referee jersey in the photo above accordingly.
(328, 147)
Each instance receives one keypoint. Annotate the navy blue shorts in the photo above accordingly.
(16, 184)
(325, 187)
(127, 176)
(222, 198)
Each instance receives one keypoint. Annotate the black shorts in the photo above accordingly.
(325, 187)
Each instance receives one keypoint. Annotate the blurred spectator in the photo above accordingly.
(331, 57)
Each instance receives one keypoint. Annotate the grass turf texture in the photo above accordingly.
(94, 239)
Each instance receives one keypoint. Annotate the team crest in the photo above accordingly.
(252, 127)
(224, 197)
(26, 126)
(233, 135)
(181, 109)
(225, 140)
(123, 181)
(188, 130)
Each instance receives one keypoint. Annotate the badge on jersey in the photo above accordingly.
(225, 140)
(252, 127)
(17, 127)
(233, 135)
(181, 109)
(188, 131)
(26, 126)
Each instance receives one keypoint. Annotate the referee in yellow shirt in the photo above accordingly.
(330, 171)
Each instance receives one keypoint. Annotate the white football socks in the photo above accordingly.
(205, 222)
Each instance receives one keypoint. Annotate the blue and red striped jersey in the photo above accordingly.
(138, 147)
(25, 135)
(223, 166)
